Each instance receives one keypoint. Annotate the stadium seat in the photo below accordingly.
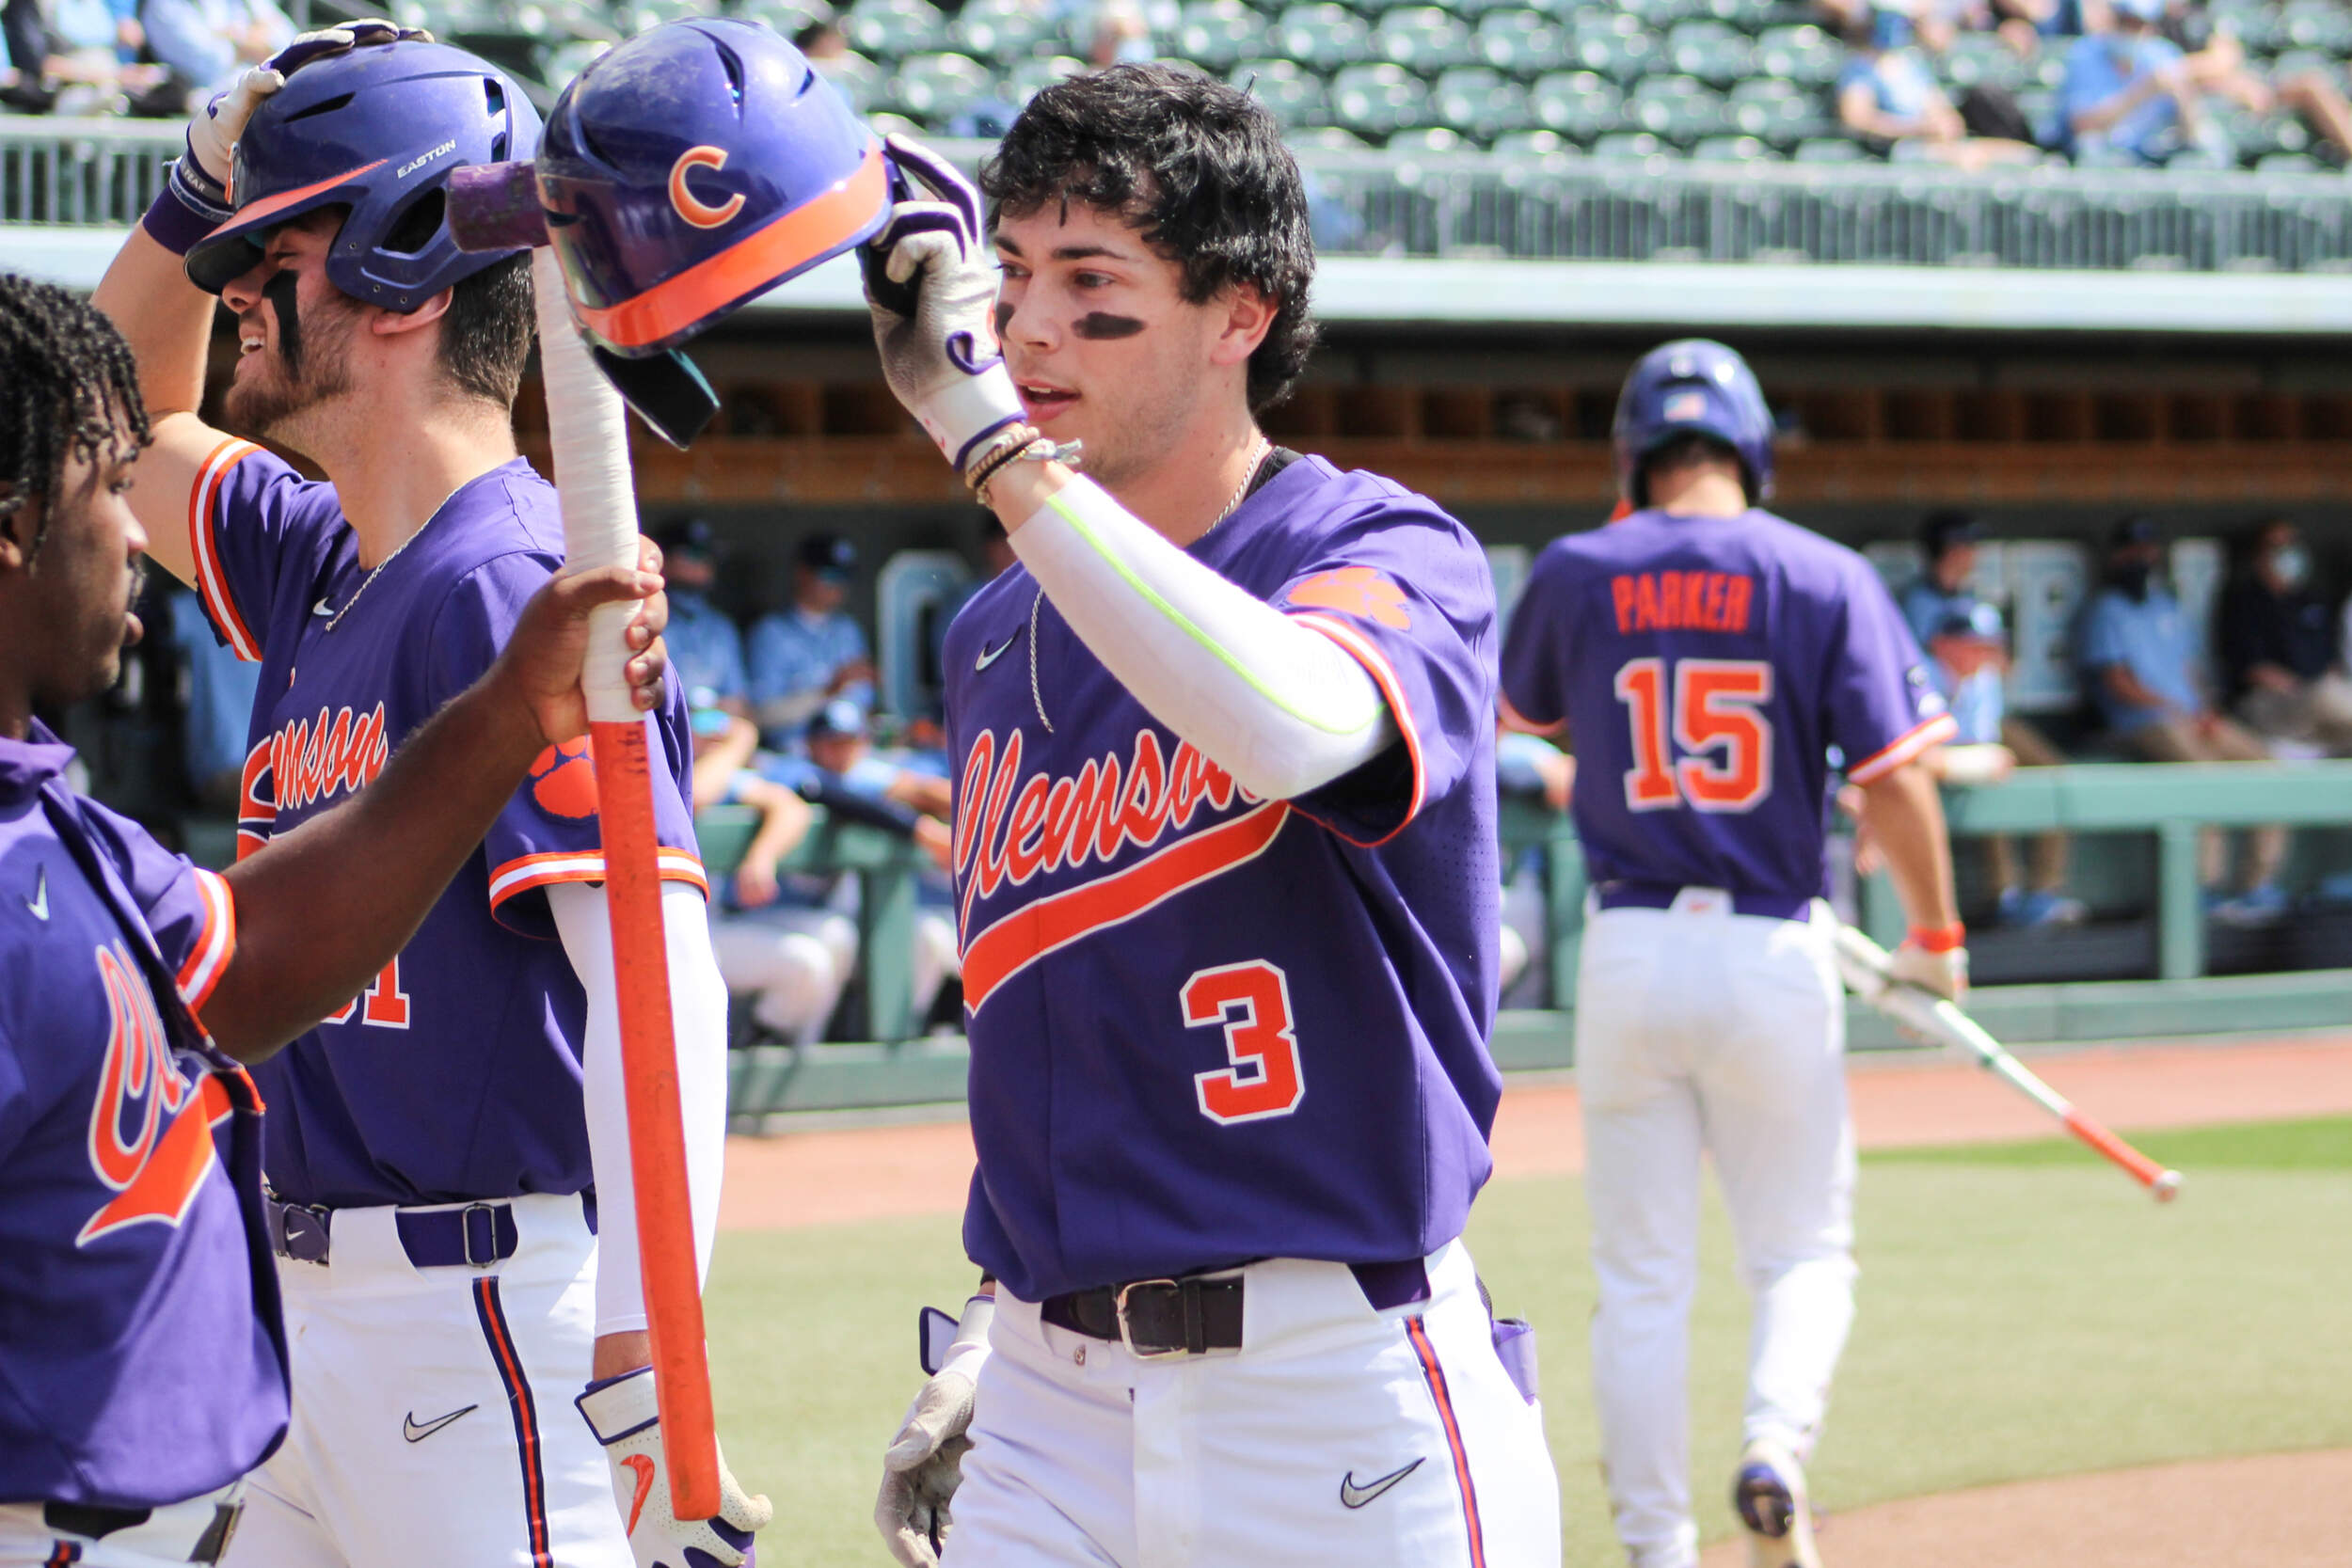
(2308, 62)
(1681, 109)
(1831, 149)
(1733, 150)
(998, 29)
(1711, 51)
(933, 88)
(1524, 43)
(1326, 139)
(1421, 39)
(892, 29)
(1780, 112)
(1578, 104)
(1659, 15)
(859, 79)
(1430, 138)
(1325, 36)
(1613, 44)
(2289, 163)
(1480, 103)
(2258, 23)
(1026, 78)
(1803, 54)
(786, 16)
(1982, 59)
(567, 60)
(1289, 90)
(1375, 101)
(1631, 147)
(1218, 32)
(2316, 24)
(1535, 144)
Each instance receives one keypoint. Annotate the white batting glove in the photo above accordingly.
(932, 289)
(1944, 973)
(925, 1461)
(202, 176)
(627, 1419)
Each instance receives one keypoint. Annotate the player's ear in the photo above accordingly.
(20, 530)
(1249, 316)
(390, 323)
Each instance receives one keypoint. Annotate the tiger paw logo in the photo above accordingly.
(151, 1129)
(562, 781)
(1356, 591)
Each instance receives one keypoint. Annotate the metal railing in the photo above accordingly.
(99, 173)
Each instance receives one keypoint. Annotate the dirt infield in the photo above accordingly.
(843, 1175)
(2281, 1511)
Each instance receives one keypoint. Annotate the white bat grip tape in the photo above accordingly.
(588, 429)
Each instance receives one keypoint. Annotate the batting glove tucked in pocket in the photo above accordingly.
(925, 1461)
(627, 1419)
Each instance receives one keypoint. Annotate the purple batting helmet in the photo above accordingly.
(379, 130)
(1693, 386)
(694, 167)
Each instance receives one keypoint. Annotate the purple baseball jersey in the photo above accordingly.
(457, 1074)
(1207, 1027)
(1704, 666)
(141, 1360)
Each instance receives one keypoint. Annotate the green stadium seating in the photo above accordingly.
(1578, 104)
(1627, 147)
(2316, 24)
(1680, 109)
(934, 87)
(1524, 43)
(1539, 143)
(1803, 54)
(1326, 138)
(1323, 37)
(1421, 39)
(998, 29)
(1733, 150)
(1779, 112)
(1480, 103)
(1375, 101)
(1430, 138)
(1029, 77)
(1611, 44)
(1221, 32)
(892, 29)
(1982, 59)
(1711, 51)
(1291, 92)
(1831, 149)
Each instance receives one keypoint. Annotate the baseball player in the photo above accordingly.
(1704, 656)
(1225, 863)
(445, 1151)
(139, 1319)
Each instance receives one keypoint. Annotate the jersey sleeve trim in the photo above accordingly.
(212, 584)
(1360, 648)
(1522, 722)
(215, 942)
(1886, 760)
(586, 865)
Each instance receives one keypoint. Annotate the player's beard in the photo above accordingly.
(1139, 434)
(311, 364)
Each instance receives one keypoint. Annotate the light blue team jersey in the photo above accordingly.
(2149, 638)
(1898, 81)
(793, 656)
(1926, 607)
(2104, 64)
(705, 649)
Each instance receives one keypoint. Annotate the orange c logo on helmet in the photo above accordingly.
(701, 214)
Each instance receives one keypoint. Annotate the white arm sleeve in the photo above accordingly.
(1278, 706)
(698, 1009)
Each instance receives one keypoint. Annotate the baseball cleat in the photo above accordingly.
(1770, 1497)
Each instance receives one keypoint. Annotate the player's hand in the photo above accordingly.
(626, 1417)
(1939, 970)
(755, 884)
(540, 663)
(925, 1461)
(930, 286)
(214, 131)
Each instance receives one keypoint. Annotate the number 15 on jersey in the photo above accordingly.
(1700, 735)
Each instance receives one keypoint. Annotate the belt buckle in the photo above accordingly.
(465, 1234)
(1126, 1329)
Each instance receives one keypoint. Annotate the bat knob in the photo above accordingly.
(2166, 1187)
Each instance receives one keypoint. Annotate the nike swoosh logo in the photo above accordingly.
(641, 1466)
(39, 902)
(322, 608)
(416, 1433)
(1352, 1496)
(990, 656)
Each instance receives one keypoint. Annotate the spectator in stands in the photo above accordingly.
(1113, 32)
(705, 649)
(2139, 654)
(2278, 647)
(208, 43)
(821, 41)
(1969, 655)
(811, 652)
(2130, 98)
(2216, 62)
(80, 52)
(1887, 96)
(219, 689)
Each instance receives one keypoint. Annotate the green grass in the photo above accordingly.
(2323, 1144)
(2020, 1316)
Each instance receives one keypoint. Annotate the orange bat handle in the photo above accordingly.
(2145, 1171)
(657, 1135)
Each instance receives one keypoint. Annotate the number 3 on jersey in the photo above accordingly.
(1252, 1001)
(1717, 709)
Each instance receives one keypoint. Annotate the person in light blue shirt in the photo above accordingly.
(705, 649)
(2137, 653)
(220, 691)
(2129, 97)
(1948, 539)
(808, 654)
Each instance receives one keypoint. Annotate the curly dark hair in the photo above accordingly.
(1198, 168)
(68, 389)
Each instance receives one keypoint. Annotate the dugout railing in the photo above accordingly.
(2165, 805)
(1561, 206)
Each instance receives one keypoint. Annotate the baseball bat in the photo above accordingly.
(1864, 965)
(588, 432)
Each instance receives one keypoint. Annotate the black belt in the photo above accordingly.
(95, 1524)
(1192, 1315)
(477, 1235)
(1658, 895)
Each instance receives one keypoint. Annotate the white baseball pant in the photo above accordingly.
(433, 1415)
(167, 1538)
(1700, 1029)
(1336, 1435)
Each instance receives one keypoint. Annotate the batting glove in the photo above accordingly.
(931, 288)
(1935, 961)
(627, 1419)
(201, 178)
(925, 1461)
